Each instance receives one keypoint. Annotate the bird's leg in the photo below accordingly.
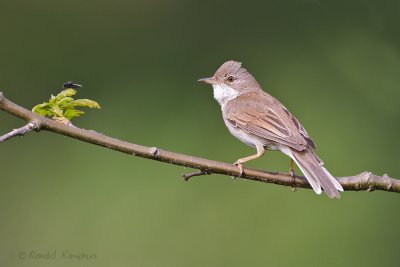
(239, 162)
(291, 172)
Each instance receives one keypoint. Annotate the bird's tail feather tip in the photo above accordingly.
(316, 174)
(335, 182)
(335, 194)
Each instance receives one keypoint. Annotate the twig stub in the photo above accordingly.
(187, 176)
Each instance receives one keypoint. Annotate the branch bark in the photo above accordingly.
(18, 132)
(365, 181)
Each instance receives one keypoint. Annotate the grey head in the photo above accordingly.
(232, 74)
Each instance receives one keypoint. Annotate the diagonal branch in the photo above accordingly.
(363, 181)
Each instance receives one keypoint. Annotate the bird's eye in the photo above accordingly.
(231, 78)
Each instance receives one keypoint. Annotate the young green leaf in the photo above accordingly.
(65, 93)
(64, 101)
(42, 109)
(83, 103)
(62, 106)
(72, 113)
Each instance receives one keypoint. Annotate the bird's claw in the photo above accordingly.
(291, 172)
(239, 164)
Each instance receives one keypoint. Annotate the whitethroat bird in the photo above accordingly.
(259, 120)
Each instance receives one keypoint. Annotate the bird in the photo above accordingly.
(259, 120)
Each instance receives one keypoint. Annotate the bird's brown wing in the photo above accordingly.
(300, 127)
(269, 120)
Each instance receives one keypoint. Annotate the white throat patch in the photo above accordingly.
(223, 93)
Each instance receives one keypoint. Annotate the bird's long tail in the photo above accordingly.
(316, 174)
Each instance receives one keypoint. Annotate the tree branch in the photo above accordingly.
(18, 132)
(363, 181)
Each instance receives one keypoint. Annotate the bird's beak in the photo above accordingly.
(207, 80)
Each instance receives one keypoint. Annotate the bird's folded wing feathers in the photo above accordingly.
(268, 124)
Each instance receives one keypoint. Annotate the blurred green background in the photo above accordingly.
(334, 64)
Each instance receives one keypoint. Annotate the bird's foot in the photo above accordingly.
(291, 172)
(239, 164)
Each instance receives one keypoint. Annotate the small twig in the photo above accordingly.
(19, 132)
(187, 176)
